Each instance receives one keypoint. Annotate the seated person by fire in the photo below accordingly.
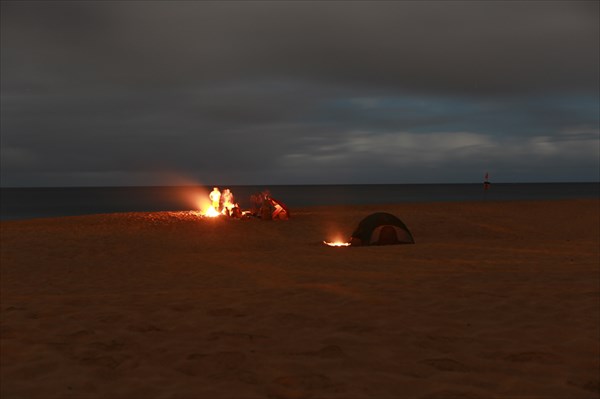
(268, 208)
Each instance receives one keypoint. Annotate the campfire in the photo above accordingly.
(223, 204)
(211, 212)
(337, 244)
(337, 240)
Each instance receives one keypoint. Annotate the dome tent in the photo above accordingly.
(381, 229)
(272, 209)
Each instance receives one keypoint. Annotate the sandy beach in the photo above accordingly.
(495, 300)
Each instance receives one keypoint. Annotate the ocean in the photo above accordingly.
(28, 203)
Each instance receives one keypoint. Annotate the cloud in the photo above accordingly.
(252, 92)
(439, 47)
(17, 158)
(394, 149)
(403, 155)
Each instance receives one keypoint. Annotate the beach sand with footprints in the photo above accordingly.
(495, 300)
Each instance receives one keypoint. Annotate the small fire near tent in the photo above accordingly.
(381, 228)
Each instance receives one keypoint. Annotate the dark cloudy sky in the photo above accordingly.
(151, 93)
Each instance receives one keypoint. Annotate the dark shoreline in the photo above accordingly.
(28, 203)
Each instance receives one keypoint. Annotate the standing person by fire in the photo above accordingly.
(227, 198)
(215, 197)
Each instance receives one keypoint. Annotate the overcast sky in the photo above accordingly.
(153, 93)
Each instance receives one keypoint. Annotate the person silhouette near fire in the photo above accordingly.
(227, 199)
(215, 197)
(266, 209)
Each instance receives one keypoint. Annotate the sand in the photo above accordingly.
(495, 300)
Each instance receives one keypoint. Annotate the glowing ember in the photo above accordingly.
(337, 244)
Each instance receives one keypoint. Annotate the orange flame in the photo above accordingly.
(337, 244)
(217, 204)
(211, 212)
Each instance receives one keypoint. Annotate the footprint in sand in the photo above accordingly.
(357, 328)
(108, 346)
(303, 385)
(7, 332)
(33, 315)
(111, 362)
(222, 365)
(226, 360)
(34, 370)
(291, 319)
(235, 338)
(327, 352)
(80, 334)
(330, 352)
(445, 364)
(533, 357)
(450, 394)
(13, 308)
(144, 328)
(442, 344)
(105, 354)
(182, 307)
(589, 385)
(225, 312)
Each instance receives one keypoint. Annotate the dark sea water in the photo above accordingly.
(27, 203)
